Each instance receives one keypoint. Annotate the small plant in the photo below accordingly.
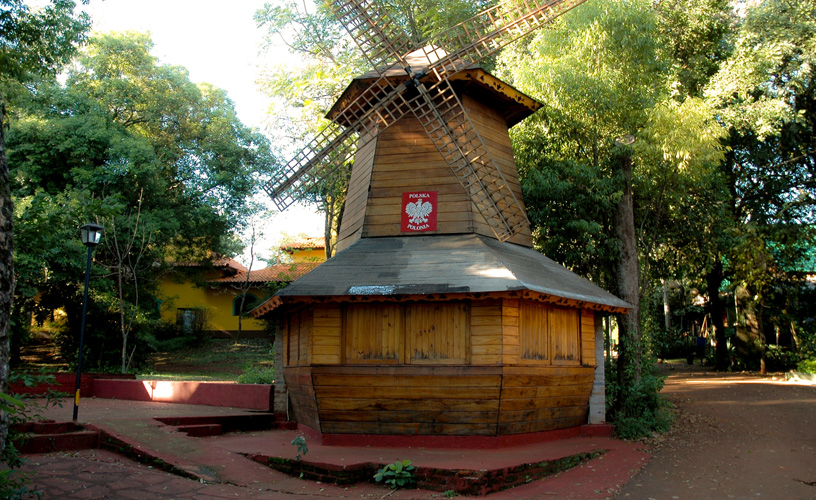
(449, 494)
(400, 474)
(302, 449)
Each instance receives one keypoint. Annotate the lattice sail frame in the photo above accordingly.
(437, 107)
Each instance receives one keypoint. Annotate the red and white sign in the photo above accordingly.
(418, 211)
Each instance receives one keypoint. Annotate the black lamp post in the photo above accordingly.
(90, 235)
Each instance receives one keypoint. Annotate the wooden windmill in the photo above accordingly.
(436, 317)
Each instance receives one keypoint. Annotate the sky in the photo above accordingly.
(218, 43)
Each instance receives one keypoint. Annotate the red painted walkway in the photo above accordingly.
(219, 469)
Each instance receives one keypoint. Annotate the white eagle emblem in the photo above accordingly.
(418, 211)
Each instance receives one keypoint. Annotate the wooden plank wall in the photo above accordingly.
(302, 395)
(408, 399)
(406, 160)
(536, 399)
(481, 332)
(588, 338)
(373, 333)
(326, 340)
(493, 130)
(564, 333)
(448, 400)
(486, 332)
(493, 393)
(357, 196)
(438, 333)
(403, 159)
(510, 331)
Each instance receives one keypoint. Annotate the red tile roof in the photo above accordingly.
(220, 262)
(306, 243)
(276, 273)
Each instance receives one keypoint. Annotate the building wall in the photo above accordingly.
(215, 302)
(308, 255)
(487, 367)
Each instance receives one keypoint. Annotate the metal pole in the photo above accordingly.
(82, 333)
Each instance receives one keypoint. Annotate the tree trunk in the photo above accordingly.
(628, 277)
(666, 307)
(6, 270)
(328, 230)
(714, 279)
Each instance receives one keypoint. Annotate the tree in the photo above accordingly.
(33, 42)
(163, 163)
(766, 99)
(605, 163)
(598, 71)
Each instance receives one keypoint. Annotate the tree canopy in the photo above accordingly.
(164, 164)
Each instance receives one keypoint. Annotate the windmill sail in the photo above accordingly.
(435, 105)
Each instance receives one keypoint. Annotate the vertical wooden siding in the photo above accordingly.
(437, 333)
(485, 332)
(549, 335)
(373, 333)
(588, 338)
(533, 332)
(482, 332)
(326, 347)
(564, 333)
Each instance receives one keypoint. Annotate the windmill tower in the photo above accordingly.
(436, 317)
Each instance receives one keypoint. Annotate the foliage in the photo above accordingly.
(257, 374)
(20, 409)
(38, 40)
(807, 366)
(780, 359)
(300, 443)
(400, 474)
(643, 410)
(162, 163)
(34, 43)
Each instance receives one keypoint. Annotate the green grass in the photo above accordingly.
(216, 360)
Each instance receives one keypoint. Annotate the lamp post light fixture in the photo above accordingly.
(90, 234)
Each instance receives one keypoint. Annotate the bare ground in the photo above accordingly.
(736, 435)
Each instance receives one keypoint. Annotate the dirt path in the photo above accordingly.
(736, 436)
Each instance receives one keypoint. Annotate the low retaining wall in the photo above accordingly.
(66, 383)
(250, 396)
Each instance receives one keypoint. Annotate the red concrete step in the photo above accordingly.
(66, 441)
(204, 430)
(232, 423)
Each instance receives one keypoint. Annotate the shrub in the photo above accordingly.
(778, 359)
(20, 409)
(637, 411)
(257, 374)
(807, 366)
(400, 474)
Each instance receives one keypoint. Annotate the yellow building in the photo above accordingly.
(306, 250)
(207, 296)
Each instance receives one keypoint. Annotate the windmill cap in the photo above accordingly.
(474, 81)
